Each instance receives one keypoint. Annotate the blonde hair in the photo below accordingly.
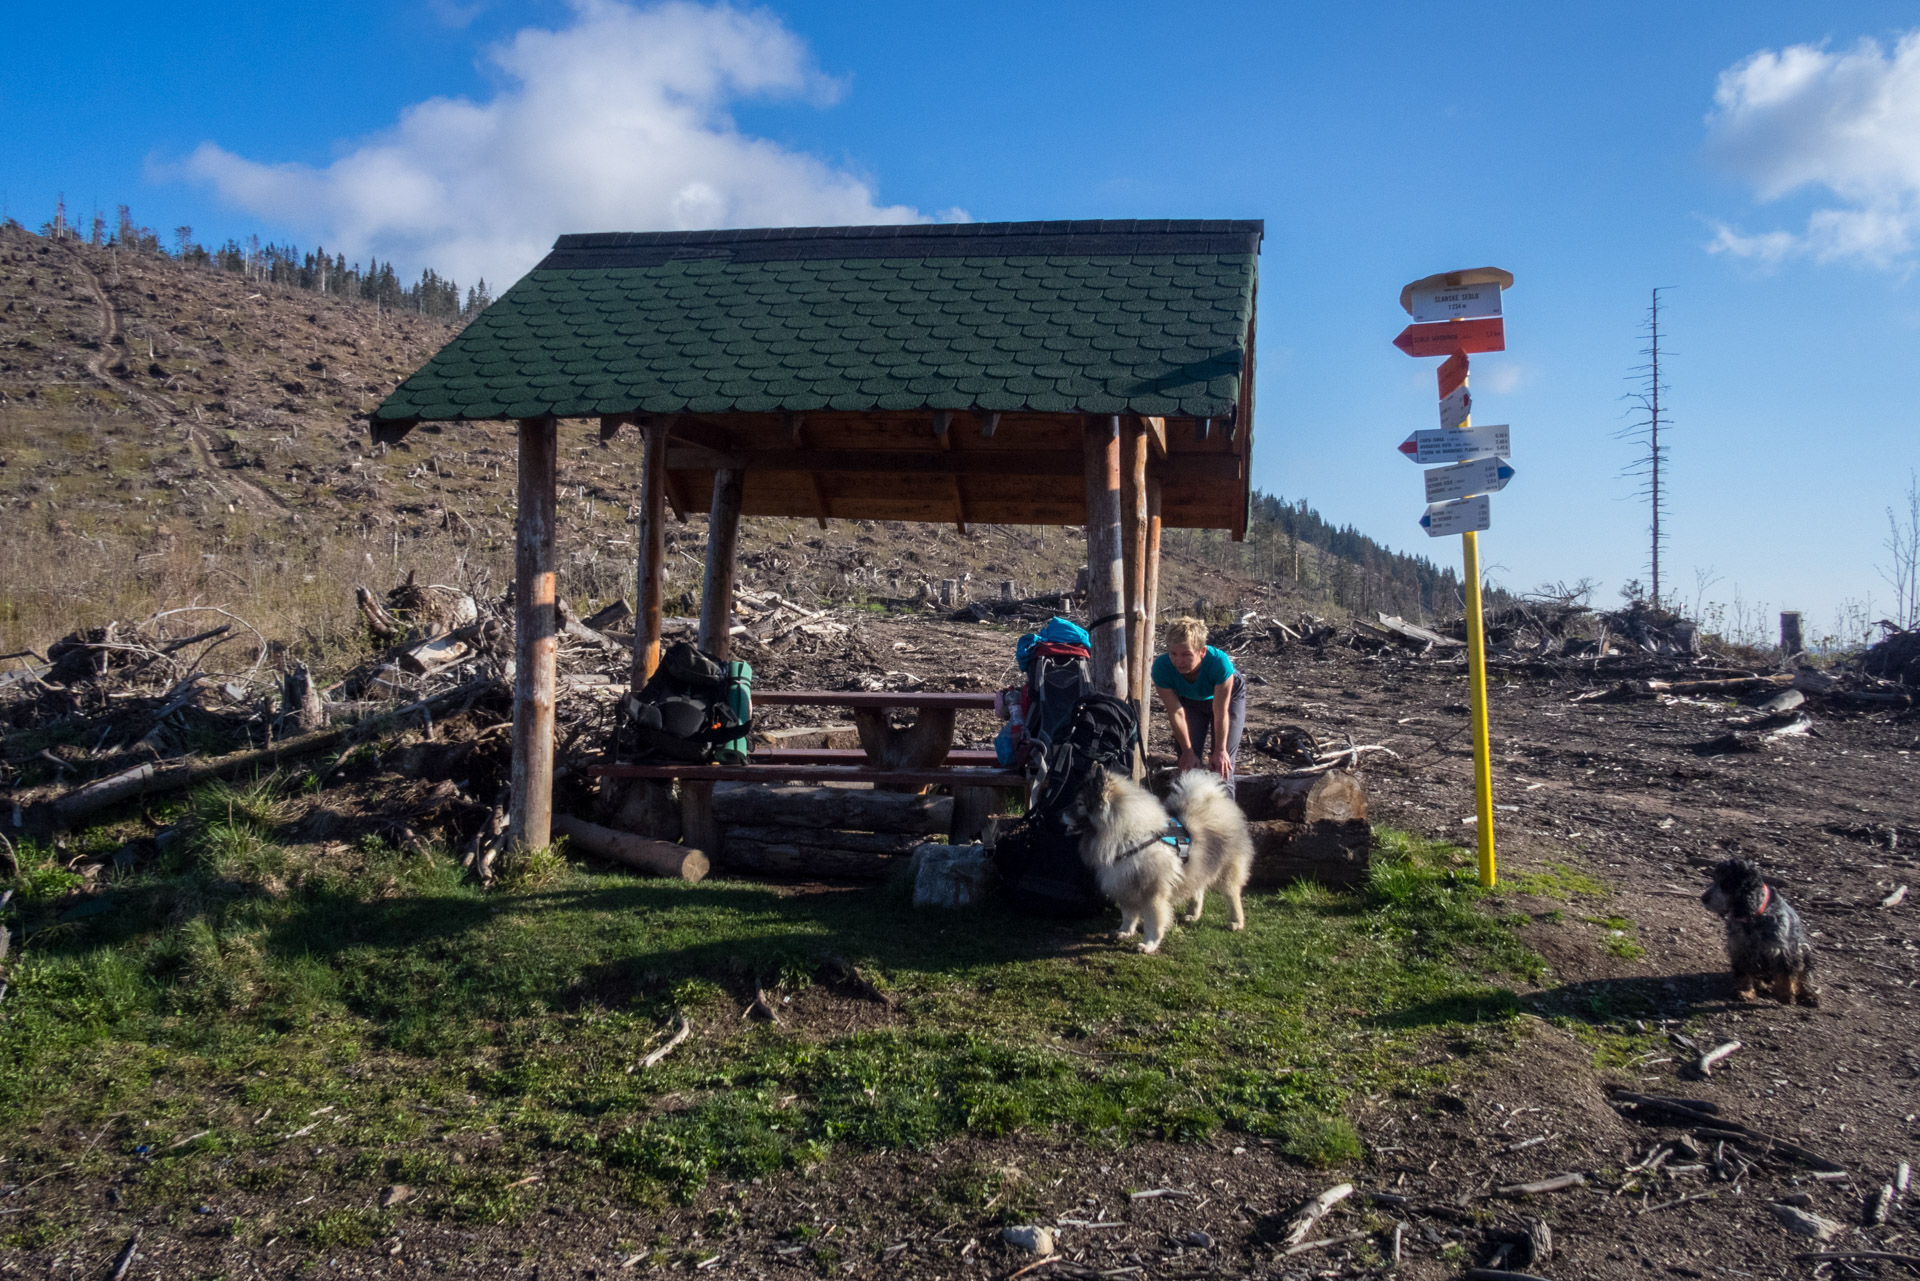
(1190, 632)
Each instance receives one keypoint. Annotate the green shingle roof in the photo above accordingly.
(1050, 317)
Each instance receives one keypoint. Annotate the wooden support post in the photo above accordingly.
(723, 537)
(536, 625)
(1106, 573)
(653, 551)
(1147, 698)
(1133, 527)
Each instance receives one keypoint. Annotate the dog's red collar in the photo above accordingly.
(1766, 897)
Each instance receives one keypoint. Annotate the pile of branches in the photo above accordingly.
(1030, 609)
(1895, 656)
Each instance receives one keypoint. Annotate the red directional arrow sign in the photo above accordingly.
(1453, 376)
(1453, 337)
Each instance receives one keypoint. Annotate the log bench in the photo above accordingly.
(905, 758)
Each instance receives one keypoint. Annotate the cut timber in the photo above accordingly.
(662, 858)
(1106, 570)
(536, 642)
(820, 838)
(841, 807)
(1311, 829)
(1419, 637)
(716, 591)
(807, 862)
(430, 656)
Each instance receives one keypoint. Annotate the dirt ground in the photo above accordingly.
(1606, 792)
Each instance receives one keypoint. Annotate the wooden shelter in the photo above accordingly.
(1048, 373)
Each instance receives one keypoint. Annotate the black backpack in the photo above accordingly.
(1039, 860)
(694, 710)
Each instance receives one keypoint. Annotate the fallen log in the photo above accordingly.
(662, 858)
(1687, 1112)
(769, 805)
(172, 775)
(1313, 828)
(379, 621)
(804, 862)
(1736, 685)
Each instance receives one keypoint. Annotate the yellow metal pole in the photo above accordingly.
(1477, 700)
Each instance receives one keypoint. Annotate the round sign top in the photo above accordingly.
(1453, 279)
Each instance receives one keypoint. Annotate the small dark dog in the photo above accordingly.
(1766, 943)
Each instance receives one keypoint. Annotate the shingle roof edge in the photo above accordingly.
(1118, 238)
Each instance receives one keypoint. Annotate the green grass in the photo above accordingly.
(384, 1020)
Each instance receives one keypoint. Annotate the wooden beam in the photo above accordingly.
(716, 590)
(989, 424)
(653, 552)
(1133, 532)
(536, 624)
(794, 423)
(610, 425)
(796, 437)
(942, 420)
(1105, 571)
(1157, 433)
(1212, 468)
(1147, 697)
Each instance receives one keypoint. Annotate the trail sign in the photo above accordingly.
(1456, 407)
(1461, 302)
(1463, 480)
(1461, 516)
(1442, 446)
(1450, 337)
(1453, 374)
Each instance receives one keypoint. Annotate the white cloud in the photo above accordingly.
(617, 122)
(1845, 124)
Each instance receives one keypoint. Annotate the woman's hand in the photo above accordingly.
(1188, 760)
(1219, 762)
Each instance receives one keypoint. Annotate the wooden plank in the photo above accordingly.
(958, 701)
(652, 537)
(932, 777)
(1133, 531)
(1203, 468)
(1147, 697)
(1106, 587)
(982, 757)
(536, 625)
(716, 589)
(1157, 433)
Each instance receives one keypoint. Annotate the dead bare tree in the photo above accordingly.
(1644, 431)
(1902, 571)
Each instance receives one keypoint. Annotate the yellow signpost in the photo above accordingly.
(1454, 318)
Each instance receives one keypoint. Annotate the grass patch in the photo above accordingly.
(1557, 881)
(393, 1022)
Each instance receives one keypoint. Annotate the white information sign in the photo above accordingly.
(1461, 302)
(1458, 516)
(1456, 408)
(1442, 446)
(1462, 480)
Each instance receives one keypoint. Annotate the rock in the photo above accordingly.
(394, 1195)
(1029, 1238)
(1801, 1223)
(1198, 1240)
(951, 875)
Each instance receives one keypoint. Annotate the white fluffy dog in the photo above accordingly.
(1121, 826)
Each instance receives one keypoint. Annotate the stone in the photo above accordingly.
(1034, 1240)
(1199, 1240)
(951, 875)
(1802, 1223)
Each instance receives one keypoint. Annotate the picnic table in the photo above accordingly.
(912, 756)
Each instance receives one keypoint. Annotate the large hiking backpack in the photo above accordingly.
(1039, 860)
(694, 710)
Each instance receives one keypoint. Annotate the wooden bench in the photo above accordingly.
(912, 756)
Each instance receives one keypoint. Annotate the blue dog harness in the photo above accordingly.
(1176, 835)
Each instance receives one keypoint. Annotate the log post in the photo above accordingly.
(1152, 611)
(536, 625)
(716, 590)
(1790, 640)
(653, 551)
(1106, 572)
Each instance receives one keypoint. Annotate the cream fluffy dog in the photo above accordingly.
(1121, 826)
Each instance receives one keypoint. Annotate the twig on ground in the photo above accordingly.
(680, 1034)
(1315, 1210)
(1306, 1246)
(1558, 1183)
(1668, 1205)
(125, 1260)
(1715, 1055)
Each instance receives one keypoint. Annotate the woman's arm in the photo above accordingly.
(1217, 759)
(1177, 718)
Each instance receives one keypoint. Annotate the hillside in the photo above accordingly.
(177, 429)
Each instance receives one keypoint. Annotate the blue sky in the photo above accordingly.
(1577, 146)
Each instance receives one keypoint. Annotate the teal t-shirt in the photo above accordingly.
(1214, 669)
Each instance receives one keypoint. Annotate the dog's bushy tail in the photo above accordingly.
(1200, 798)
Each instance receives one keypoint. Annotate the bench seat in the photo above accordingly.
(941, 776)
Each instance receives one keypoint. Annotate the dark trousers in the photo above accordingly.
(1199, 714)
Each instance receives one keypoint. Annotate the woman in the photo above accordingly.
(1206, 700)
